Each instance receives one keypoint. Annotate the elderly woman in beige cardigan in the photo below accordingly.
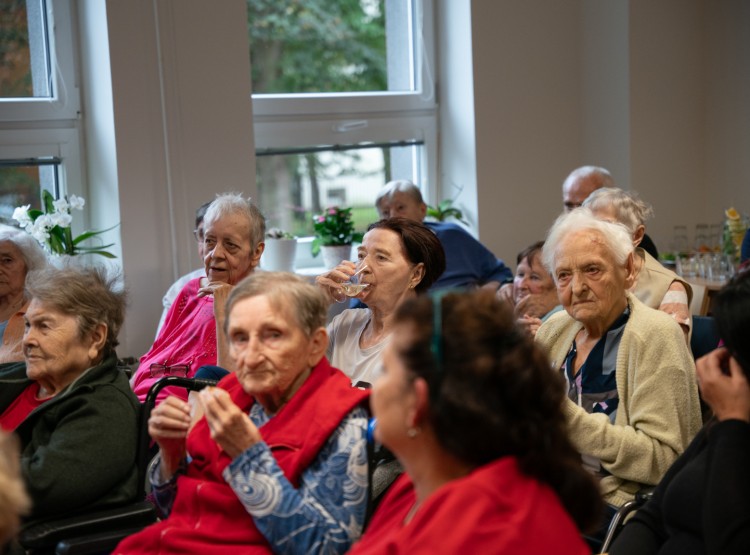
(632, 402)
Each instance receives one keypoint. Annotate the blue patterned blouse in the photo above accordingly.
(326, 513)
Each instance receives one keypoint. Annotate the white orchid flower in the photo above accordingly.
(77, 203)
(61, 219)
(61, 205)
(21, 215)
(41, 227)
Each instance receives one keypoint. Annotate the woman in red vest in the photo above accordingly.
(470, 407)
(277, 459)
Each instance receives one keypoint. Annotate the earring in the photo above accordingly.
(412, 432)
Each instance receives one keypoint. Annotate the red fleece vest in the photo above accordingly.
(206, 516)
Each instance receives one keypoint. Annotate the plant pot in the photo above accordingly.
(334, 254)
(278, 255)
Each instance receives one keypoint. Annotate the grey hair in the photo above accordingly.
(615, 236)
(399, 186)
(629, 210)
(287, 292)
(227, 204)
(601, 175)
(93, 295)
(32, 253)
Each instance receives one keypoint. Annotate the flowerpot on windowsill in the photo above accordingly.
(279, 254)
(334, 254)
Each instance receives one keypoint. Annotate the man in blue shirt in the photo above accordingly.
(468, 263)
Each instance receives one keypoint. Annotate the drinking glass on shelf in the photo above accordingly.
(680, 240)
(701, 238)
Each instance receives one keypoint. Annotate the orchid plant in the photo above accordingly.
(51, 226)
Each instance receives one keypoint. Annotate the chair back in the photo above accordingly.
(705, 336)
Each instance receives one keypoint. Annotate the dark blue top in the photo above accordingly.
(468, 263)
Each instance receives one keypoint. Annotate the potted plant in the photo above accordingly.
(51, 227)
(446, 210)
(334, 235)
(280, 251)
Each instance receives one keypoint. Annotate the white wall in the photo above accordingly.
(655, 91)
(181, 120)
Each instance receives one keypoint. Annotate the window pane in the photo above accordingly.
(294, 186)
(330, 46)
(22, 184)
(24, 67)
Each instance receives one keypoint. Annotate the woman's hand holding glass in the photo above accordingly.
(343, 281)
(231, 428)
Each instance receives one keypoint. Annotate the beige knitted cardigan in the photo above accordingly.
(659, 412)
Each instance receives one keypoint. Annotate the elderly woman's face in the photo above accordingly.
(228, 254)
(52, 346)
(271, 353)
(590, 284)
(389, 272)
(531, 279)
(12, 269)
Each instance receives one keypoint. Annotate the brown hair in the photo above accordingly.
(90, 294)
(420, 245)
(492, 393)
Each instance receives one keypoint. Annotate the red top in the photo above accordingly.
(207, 516)
(21, 407)
(495, 509)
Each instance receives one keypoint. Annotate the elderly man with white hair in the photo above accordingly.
(632, 404)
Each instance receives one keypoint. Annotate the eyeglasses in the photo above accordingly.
(161, 370)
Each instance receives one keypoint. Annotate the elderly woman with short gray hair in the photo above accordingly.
(19, 255)
(632, 404)
(655, 285)
(68, 402)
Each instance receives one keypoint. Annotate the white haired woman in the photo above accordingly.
(655, 285)
(632, 404)
(192, 335)
(19, 255)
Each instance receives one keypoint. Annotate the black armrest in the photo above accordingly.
(50, 532)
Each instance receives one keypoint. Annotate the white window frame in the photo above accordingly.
(50, 127)
(299, 120)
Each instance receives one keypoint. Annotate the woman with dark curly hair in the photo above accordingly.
(468, 404)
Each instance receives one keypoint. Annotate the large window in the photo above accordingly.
(39, 103)
(343, 101)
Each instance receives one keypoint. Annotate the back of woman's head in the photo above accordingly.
(731, 308)
(420, 244)
(493, 394)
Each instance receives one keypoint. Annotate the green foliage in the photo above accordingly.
(446, 210)
(334, 227)
(300, 46)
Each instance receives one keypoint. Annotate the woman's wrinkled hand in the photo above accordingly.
(723, 385)
(529, 323)
(537, 304)
(331, 281)
(168, 426)
(505, 294)
(230, 427)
